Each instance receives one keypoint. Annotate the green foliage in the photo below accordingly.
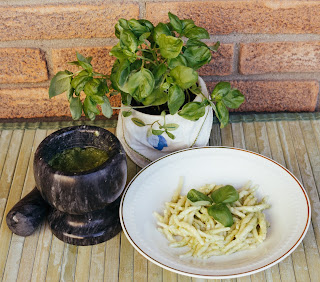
(216, 203)
(92, 84)
(155, 65)
(196, 196)
(225, 97)
(225, 194)
(221, 213)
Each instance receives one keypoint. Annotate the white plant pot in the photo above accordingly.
(143, 149)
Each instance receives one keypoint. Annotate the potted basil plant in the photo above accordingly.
(165, 104)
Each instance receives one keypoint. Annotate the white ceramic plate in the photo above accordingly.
(154, 185)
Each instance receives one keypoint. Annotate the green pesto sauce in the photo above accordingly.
(78, 159)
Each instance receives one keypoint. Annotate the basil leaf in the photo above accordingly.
(90, 105)
(119, 53)
(138, 122)
(126, 113)
(158, 73)
(222, 113)
(197, 56)
(192, 111)
(146, 23)
(75, 108)
(126, 98)
(165, 86)
(95, 86)
(195, 89)
(161, 28)
(84, 62)
(175, 22)
(60, 83)
(187, 25)
(156, 98)
(90, 108)
(128, 40)
(233, 99)
(169, 80)
(221, 213)
(86, 66)
(141, 84)
(225, 194)
(176, 99)
(170, 46)
(161, 97)
(220, 90)
(106, 108)
(137, 28)
(178, 61)
(83, 59)
(196, 196)
(136, 65)
(103, 87)
(184, 76)
(196, 42)
(120, 77)
(197, 33)
(144, 36)
(97, 99)
(113, 75)
(79, 81)
(120, 26)
(215, 47)
(75, 63)
(70, 92)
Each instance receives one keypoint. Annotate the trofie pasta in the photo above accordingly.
(185, 223)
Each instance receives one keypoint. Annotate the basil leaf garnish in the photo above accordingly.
(195, 196)
(221, 213)
(225, 194)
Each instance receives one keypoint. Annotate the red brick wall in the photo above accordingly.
(270, 50)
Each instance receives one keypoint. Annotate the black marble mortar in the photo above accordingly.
(80, 192)
(84, 205)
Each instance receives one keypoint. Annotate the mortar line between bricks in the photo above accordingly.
(261, 37)
(92, 42)
(268, 77)
(26, 85)
(142, 9)
(60, 43)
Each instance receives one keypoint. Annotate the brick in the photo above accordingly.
(256, 58)
(101, 62)
(276, 96)
(226, 17)
(22, 65)
(63, 20)
(20, 103)
(221, 63)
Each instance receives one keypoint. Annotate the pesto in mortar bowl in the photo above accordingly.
(75, 190)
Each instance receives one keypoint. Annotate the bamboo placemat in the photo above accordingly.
(292, 140)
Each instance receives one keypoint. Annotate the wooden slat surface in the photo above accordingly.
(42, 257)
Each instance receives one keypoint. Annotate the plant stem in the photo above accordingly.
(146, 59)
